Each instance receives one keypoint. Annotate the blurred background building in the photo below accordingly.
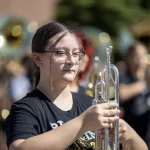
(118, 22)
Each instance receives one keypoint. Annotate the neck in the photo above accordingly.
(54, 92)
(74, 86)
(61, 97)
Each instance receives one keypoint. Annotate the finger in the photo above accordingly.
(106, 125)
(109, 105)
(109, 121)
(113, 105)
(111, 113)
(112, 119)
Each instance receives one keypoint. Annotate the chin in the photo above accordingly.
(69, 78)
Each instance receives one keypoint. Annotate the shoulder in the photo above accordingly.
(84, 99)
(29, 102)
(28, 109)
(24, 118)
(126, 79)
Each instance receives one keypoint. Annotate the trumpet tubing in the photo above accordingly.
(109, 76)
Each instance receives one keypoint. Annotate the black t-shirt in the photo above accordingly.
(136, 109)
(36, 114)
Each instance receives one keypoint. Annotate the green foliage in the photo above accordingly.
(109, 15)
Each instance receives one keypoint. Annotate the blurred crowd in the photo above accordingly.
(15, 83)
(17, 79)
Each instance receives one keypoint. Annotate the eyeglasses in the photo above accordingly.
(64, 55)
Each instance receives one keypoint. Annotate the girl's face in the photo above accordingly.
(138, 58)
(62, 64)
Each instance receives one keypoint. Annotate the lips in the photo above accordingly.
(70, 70)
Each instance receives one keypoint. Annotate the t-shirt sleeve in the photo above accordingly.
(21, 123)
(124, 79)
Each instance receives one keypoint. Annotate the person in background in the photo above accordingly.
(80, 82)
(19, 84)
(53, 117)
(28, 65)
(133, 89)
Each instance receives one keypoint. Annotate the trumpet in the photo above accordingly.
(109, 78)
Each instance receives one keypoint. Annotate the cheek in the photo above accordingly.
(56, 68)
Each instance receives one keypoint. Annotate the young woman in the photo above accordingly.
(51, 117)
(134, 92)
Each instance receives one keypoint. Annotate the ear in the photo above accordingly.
(36, 59)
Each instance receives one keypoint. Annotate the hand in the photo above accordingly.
(125, 131)
(129, 138)
(100, 116)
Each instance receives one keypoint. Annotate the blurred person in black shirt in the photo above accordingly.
(134, 91)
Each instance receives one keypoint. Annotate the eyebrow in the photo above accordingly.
(65, 48)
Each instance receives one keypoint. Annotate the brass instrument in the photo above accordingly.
(14, 37)
(14, 43)
(109, 76)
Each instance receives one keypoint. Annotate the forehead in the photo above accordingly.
(69, 41)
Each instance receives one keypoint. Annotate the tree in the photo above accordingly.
(108, 15)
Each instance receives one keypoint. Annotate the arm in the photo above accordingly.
(57, 139)
(63, 136)
(128, 91)
(129, 138)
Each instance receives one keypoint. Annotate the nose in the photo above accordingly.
(71, 60)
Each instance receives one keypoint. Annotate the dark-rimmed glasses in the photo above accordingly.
(64, 55)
